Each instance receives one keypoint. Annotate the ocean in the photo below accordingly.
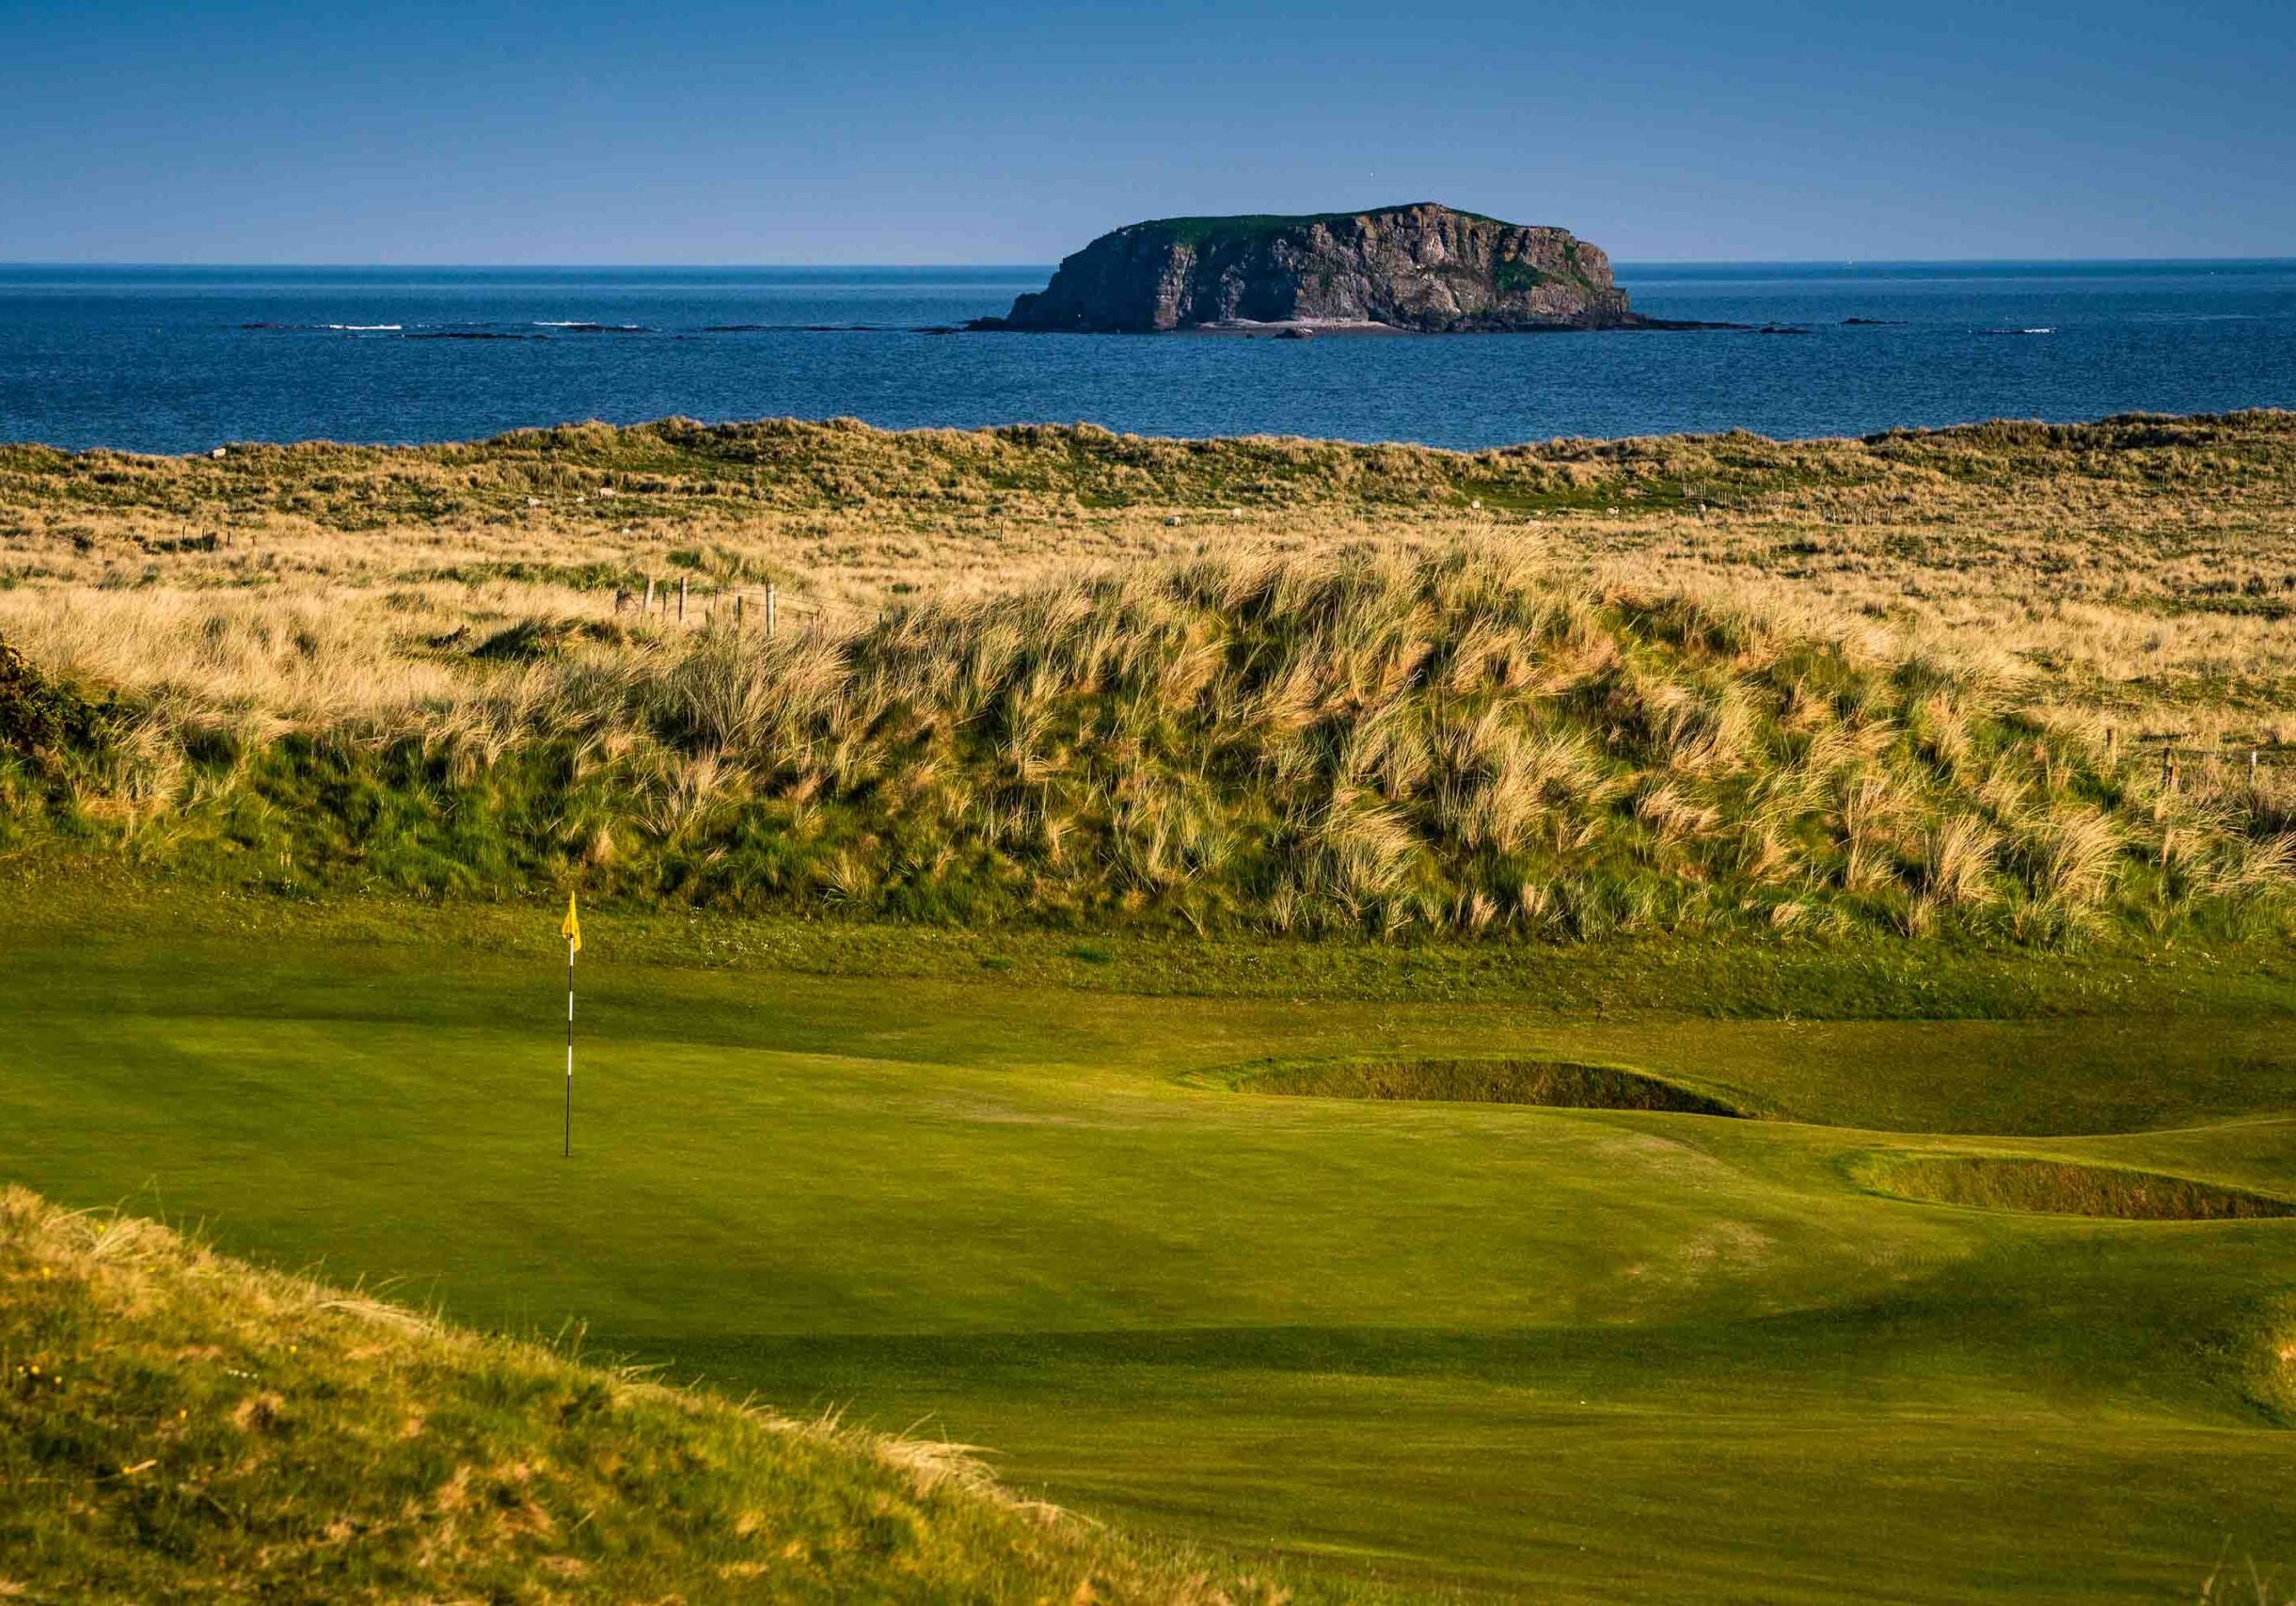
(181, 359)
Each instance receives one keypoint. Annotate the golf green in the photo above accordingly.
(1588, 1354)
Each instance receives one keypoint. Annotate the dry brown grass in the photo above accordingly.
(2140, 572)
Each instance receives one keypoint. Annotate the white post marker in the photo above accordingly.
(571, 931)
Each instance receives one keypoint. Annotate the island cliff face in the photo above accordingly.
(1422, 267)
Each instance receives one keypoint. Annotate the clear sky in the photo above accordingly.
(254, 131)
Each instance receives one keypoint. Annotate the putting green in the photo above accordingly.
(1599, 1354)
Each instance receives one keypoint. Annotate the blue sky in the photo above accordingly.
(254, 132)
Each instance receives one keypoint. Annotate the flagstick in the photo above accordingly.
(569, 1149)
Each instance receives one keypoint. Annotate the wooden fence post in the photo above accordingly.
(681, 599)
(648, 606)
(773, 606)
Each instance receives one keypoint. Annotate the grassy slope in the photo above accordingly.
(376, 690)
(178, 1425)
(1349, 745)
(744, 470)
(1609, 1352)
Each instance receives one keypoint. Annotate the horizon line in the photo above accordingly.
(130, 263)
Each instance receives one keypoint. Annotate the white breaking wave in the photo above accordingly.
(366, 329)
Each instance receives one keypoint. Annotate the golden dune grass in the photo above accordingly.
(2136, 571)
(1367, 738)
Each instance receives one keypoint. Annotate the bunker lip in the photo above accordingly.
(2037, 1185)
(1553, 1084)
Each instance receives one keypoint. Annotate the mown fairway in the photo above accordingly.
(1605, 1355)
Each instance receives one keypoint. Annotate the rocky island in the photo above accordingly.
(1424, 268)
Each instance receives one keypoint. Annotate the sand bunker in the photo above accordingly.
(1561, 1084)
(2060, 1187)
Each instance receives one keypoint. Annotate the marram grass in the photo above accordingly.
(2141, 567)
(1368, 742)
(177, 1425)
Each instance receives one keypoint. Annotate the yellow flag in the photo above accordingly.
(572, 929)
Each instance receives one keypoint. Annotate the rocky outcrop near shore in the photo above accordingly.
(1424, 268)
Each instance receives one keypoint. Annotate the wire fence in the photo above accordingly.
(2231, 758)
(767, 609)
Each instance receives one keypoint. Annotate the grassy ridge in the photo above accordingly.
(1369, 743)
(793, 465)
(178, 1425)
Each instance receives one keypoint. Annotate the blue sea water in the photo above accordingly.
(177, 360)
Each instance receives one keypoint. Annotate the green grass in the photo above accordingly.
(1599, 1355)
(1221, 234)
(1513, 276)
(175, 1425)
